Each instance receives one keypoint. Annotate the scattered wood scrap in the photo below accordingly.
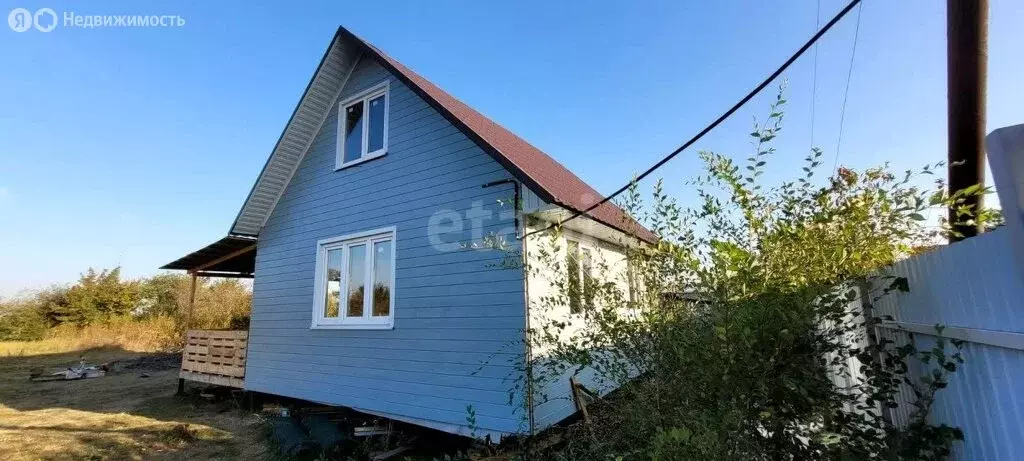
(385, 455)
(144, 365)
(82, 371)
(367, 431)
(581, 397)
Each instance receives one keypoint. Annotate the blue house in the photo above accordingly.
(359, 234)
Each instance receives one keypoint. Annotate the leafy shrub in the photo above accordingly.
(219, 304)
(21, 321)
(98, 296)
(101, 298)
(730, 337)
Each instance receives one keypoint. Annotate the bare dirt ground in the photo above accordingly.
(131, 413)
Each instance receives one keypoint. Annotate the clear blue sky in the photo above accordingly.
(135, 146)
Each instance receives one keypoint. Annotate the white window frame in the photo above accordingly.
(367, 321)
(383, 88)
(583, 242)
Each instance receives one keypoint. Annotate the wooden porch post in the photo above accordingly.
(191, 303)
(188, 322)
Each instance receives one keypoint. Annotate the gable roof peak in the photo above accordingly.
(542, 174)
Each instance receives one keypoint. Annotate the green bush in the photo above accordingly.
(102, 297)
(98, 296)
(733, 340)
(21, 321)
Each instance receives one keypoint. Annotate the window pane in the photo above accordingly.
(354, 131)
(332, 302)
(382, 283)
(631, 280)
(356, 280)
(588, 279)
(375, 139)
(572, 264)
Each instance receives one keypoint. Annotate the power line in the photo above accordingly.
(785, 65)
(814, 85)
(846, 92)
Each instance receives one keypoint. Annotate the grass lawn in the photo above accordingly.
(119, 416)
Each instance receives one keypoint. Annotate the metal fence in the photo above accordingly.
(974, 289)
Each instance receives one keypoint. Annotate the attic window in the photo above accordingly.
(363, 126)
(355, 281)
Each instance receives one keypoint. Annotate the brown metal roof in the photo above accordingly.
(230, 256)
(543, 174)
(550, 180)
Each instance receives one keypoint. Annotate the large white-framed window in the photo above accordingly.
(355, 281)
(363, 126)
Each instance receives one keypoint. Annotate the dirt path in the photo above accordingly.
(131, 413)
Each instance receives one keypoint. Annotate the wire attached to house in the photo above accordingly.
(764, 84)
(846, 92)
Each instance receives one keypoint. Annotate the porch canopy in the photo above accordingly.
(213, 356)
(233, 256)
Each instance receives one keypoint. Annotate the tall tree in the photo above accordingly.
(98, 296)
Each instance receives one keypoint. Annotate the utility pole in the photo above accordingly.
(966, 63)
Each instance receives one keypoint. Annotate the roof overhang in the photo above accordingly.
(317, 99)
(551, 181)
(232, 256)
(554, 214)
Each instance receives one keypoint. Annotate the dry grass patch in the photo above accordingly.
(119, 416)
(149, 335)
(75, 434)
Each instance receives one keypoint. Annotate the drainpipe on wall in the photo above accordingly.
(528, 352)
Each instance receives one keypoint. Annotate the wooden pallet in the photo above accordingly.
(215, 357)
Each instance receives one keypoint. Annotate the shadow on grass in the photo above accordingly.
(131, 413)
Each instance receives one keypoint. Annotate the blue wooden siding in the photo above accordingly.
(458, 318)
